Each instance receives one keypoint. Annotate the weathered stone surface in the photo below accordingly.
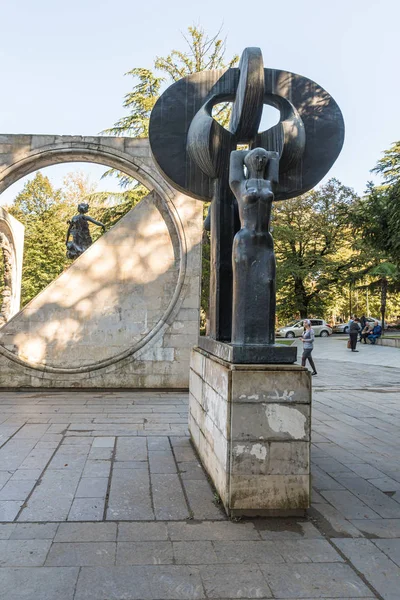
(85, 554)
(45, 583)
(34, 531)
(168, 498)
(239, 581)
(120, 303)
(270, 492)
(271, 422)
(86, 532)
(255, 445)
(139, 583)
(142, 532)
(130, 497)
(23, 553)
(145, 553)
(86, 509)
(276, 383)
(13, 237)
(318, 581)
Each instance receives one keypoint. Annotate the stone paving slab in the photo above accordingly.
(315, 581)
(46, 583)
(379, 569)
(148, 525)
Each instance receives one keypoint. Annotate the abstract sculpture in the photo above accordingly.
(201, 158)
(79, 229)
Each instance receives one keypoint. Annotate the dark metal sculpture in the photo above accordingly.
(193, 152)
(253, 258)
(79, 229)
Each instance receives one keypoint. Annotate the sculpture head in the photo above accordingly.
(256, 161)
(83, 207)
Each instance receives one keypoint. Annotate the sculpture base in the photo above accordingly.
(251, 427)
(265, 355)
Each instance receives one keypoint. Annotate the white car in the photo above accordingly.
(344, 327)
(296, 329)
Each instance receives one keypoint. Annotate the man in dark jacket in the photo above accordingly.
(376, 333)
(354, 331)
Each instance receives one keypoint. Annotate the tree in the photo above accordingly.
(203, 53)
(389, 168)
(389, 165)
(43, 213)
(313, 247)
(375, 227)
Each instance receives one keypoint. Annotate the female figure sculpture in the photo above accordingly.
(253, 258)
(79, 229)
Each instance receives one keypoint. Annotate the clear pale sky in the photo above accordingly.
(62, 64)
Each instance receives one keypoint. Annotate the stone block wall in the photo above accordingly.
(125, 314)
(251, 427)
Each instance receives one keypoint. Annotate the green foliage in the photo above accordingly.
(383, 203)
(44, 212)
(202, 53)
(313, 246)
(139, 102)
(376, 225)
(389, 165)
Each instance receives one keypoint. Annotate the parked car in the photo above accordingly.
(296, 329)
(344, 327)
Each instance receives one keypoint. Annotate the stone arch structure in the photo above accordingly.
(159, 357)
(23, 154)
(11, 247)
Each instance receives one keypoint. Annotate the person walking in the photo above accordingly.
(308, 344)
(354, 331)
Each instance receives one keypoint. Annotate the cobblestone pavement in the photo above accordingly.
(102, 498)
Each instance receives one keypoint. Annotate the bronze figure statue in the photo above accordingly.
(253, 258)
(79, 229)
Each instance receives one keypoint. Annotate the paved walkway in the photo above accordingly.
(102, 498)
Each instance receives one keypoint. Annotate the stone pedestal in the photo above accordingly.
(251, 427)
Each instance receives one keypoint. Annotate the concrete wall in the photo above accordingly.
(125, 314)
(387, 341)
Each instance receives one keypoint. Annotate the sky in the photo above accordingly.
(62, 64)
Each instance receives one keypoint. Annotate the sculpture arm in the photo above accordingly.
(95, 222)
(236, 173)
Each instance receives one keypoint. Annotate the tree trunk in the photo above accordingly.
(301, 299)
(384, 287)
(350, 302)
